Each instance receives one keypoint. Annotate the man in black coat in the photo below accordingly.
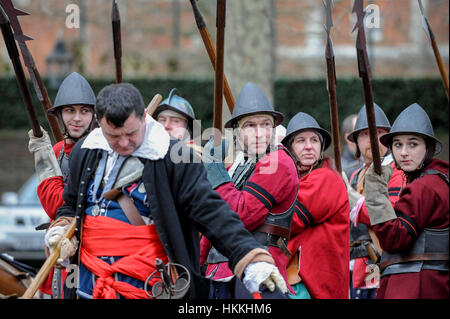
(136, 198)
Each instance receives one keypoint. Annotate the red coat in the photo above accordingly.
(50, 189)
(50, 192)
(424, 203)
(273, 186)
(320, 232)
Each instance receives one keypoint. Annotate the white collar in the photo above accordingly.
(154, 146)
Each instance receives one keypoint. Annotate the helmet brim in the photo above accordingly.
(53, 110)
(279, 118)
(386, 139)
(164, 107)
(352, 136)
(323, 132)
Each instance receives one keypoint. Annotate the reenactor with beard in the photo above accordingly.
(364, 246)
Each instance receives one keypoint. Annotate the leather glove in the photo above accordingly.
(45, 161)
(353, 195)
(377, 197)
(54, 236)
(263, 273)
(213, 161)
(213, 153)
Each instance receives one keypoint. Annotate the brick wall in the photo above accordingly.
(400, 47)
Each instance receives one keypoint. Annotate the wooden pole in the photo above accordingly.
(20, 75)
(49, 263)
(334, 113)
(219, 75)
(211, 50)
(117, 41)
(154, 103)
(331, 86)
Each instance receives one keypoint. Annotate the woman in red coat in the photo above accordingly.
(414, 234)
(320, 229)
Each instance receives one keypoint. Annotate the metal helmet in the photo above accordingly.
(302, 121)
(412, 120)
(74, 90)
(381, 121)
(180, 105)
(175, 103)
(252, 101)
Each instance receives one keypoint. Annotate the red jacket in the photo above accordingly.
(273, 186)
(424, 203)
(50, 192)
(320, 233)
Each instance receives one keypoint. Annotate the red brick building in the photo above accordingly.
(398, 48)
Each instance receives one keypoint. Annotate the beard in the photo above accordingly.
(367, 152)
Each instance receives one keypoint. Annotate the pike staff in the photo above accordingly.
(211, 50)
(219, 76)
(366, 76)
(117, 40)
(426, 26)
(20, 75)
(51, 260)
(28, 60)
(331, 85)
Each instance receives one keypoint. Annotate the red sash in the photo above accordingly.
(140, 246)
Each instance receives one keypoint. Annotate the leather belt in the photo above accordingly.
(274, 230)
(276, 236)
(130, 210)
(414, 257)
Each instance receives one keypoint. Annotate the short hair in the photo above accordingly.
(116, 102)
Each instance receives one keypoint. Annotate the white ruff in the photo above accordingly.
(154, 146)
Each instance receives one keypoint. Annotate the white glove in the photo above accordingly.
(377, 196)
(37, 143)
(45, 161)
(68, 246)
(258, 273)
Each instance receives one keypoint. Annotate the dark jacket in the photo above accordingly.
(182, 204)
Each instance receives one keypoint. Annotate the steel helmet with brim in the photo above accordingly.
(301, 122)
(181, 106)
(252, 101)
(415, 121)
(74, 90)
(381, 121)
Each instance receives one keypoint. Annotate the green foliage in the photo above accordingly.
(392, 95)
(291, 96)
